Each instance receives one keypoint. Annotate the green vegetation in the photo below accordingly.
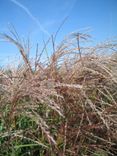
(63, 106)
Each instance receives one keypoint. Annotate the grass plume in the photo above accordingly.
(66, 106)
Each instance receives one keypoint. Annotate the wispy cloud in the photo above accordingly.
(28, 12)
(68, 6)
(65, 8)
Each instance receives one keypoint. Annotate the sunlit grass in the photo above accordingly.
(66, 105)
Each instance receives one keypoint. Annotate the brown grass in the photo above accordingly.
(76, 89)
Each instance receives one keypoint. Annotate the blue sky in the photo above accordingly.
(39, 18)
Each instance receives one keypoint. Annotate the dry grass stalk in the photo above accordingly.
(78, 89)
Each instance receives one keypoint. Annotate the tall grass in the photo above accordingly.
(65, 106)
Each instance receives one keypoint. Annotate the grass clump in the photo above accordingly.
(66, 105)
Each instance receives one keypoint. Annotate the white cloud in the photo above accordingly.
(28, 12)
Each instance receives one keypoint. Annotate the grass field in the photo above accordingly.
(65, 105)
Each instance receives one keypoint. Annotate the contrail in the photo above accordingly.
(31, 16)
